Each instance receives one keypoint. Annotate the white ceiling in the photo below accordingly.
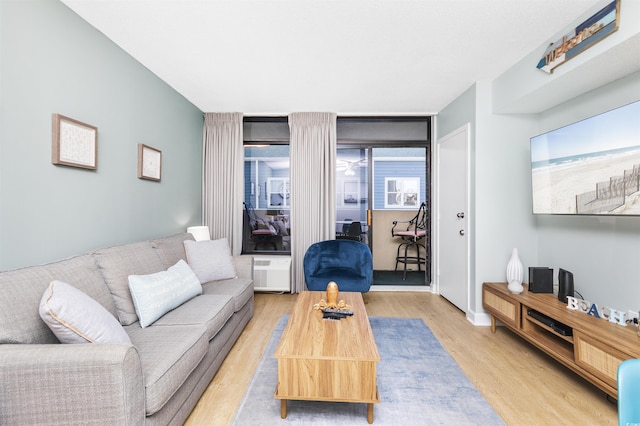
(270, 57)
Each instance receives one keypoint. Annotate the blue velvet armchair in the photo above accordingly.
(629, 392)
(346, 262)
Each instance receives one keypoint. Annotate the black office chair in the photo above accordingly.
(353, 233)
(412, 236)
(345, 227)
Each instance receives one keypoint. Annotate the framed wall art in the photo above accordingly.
(149, 163)
(74, 143)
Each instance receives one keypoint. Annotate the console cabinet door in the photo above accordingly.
(502, 308)
(598, 358)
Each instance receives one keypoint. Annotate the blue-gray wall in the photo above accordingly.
(52, 61)
(602, 252)
(500, 216)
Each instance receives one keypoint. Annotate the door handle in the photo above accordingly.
(460, 215)
(462, 232)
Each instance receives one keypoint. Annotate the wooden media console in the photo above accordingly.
(591, 347)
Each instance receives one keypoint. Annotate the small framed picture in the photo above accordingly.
(149, 163)
(74, 143)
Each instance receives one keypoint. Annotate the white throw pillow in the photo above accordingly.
(74, 317)
(211, 260)
(156, 294)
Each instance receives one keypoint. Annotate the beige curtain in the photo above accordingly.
(313, 180)
(223, 177)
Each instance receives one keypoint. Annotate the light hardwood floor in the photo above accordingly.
(522, 384)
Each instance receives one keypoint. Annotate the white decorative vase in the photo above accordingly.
(514, 273)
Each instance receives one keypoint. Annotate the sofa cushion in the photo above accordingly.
(240, 289)
(21, 291)
(20, 294)
(117, 263)
(156, 294)
(209, 310)
(82, 272)
(75, 317)
(168, 356)
(171, 249)
(210, 259)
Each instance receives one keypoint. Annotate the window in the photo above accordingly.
(371, 151)
(402, 193)
(278, 192)
(400, 177)
(267, 199)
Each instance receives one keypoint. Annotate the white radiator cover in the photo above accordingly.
(272, 273)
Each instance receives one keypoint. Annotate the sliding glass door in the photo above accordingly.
(382, 175)
(352, 193)
(375, 187)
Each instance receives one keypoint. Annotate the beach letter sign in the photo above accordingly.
(585, 35)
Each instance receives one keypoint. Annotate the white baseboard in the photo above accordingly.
(482, 319)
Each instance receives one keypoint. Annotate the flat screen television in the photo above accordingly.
(591, 167)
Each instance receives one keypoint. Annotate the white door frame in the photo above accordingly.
(466, 128)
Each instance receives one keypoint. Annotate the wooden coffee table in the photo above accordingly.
(327, 360)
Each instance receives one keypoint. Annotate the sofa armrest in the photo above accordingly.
(244, 266)
(71, 384)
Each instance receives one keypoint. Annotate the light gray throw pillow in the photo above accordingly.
(210, 259)
(74, 317)
(156, 294)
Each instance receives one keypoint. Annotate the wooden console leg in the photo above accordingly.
(493, 324)
(283, 408)
(370, 413)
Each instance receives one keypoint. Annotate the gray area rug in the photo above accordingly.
(418, 381)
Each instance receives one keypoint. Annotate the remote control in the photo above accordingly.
(338, 311)
(332, 316)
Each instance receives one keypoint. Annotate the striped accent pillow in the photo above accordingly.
(156, 294)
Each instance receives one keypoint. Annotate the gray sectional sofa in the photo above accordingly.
(156, 379)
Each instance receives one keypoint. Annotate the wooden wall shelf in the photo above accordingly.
(594, 350)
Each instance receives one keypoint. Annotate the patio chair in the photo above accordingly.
(412, 234)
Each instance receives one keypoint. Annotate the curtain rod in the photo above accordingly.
(349, 115)
(372, 118)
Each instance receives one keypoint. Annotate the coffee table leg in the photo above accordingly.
(283, 408)
(369, 413)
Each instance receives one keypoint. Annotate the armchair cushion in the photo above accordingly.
(265, 228)
(281, 227)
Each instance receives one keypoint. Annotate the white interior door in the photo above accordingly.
(452, 269)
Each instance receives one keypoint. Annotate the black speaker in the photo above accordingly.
(540, 280)
(565, 285)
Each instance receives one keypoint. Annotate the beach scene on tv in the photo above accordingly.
(591, 167)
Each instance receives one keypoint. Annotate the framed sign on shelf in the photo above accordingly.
(149, 163)
(74, 143)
